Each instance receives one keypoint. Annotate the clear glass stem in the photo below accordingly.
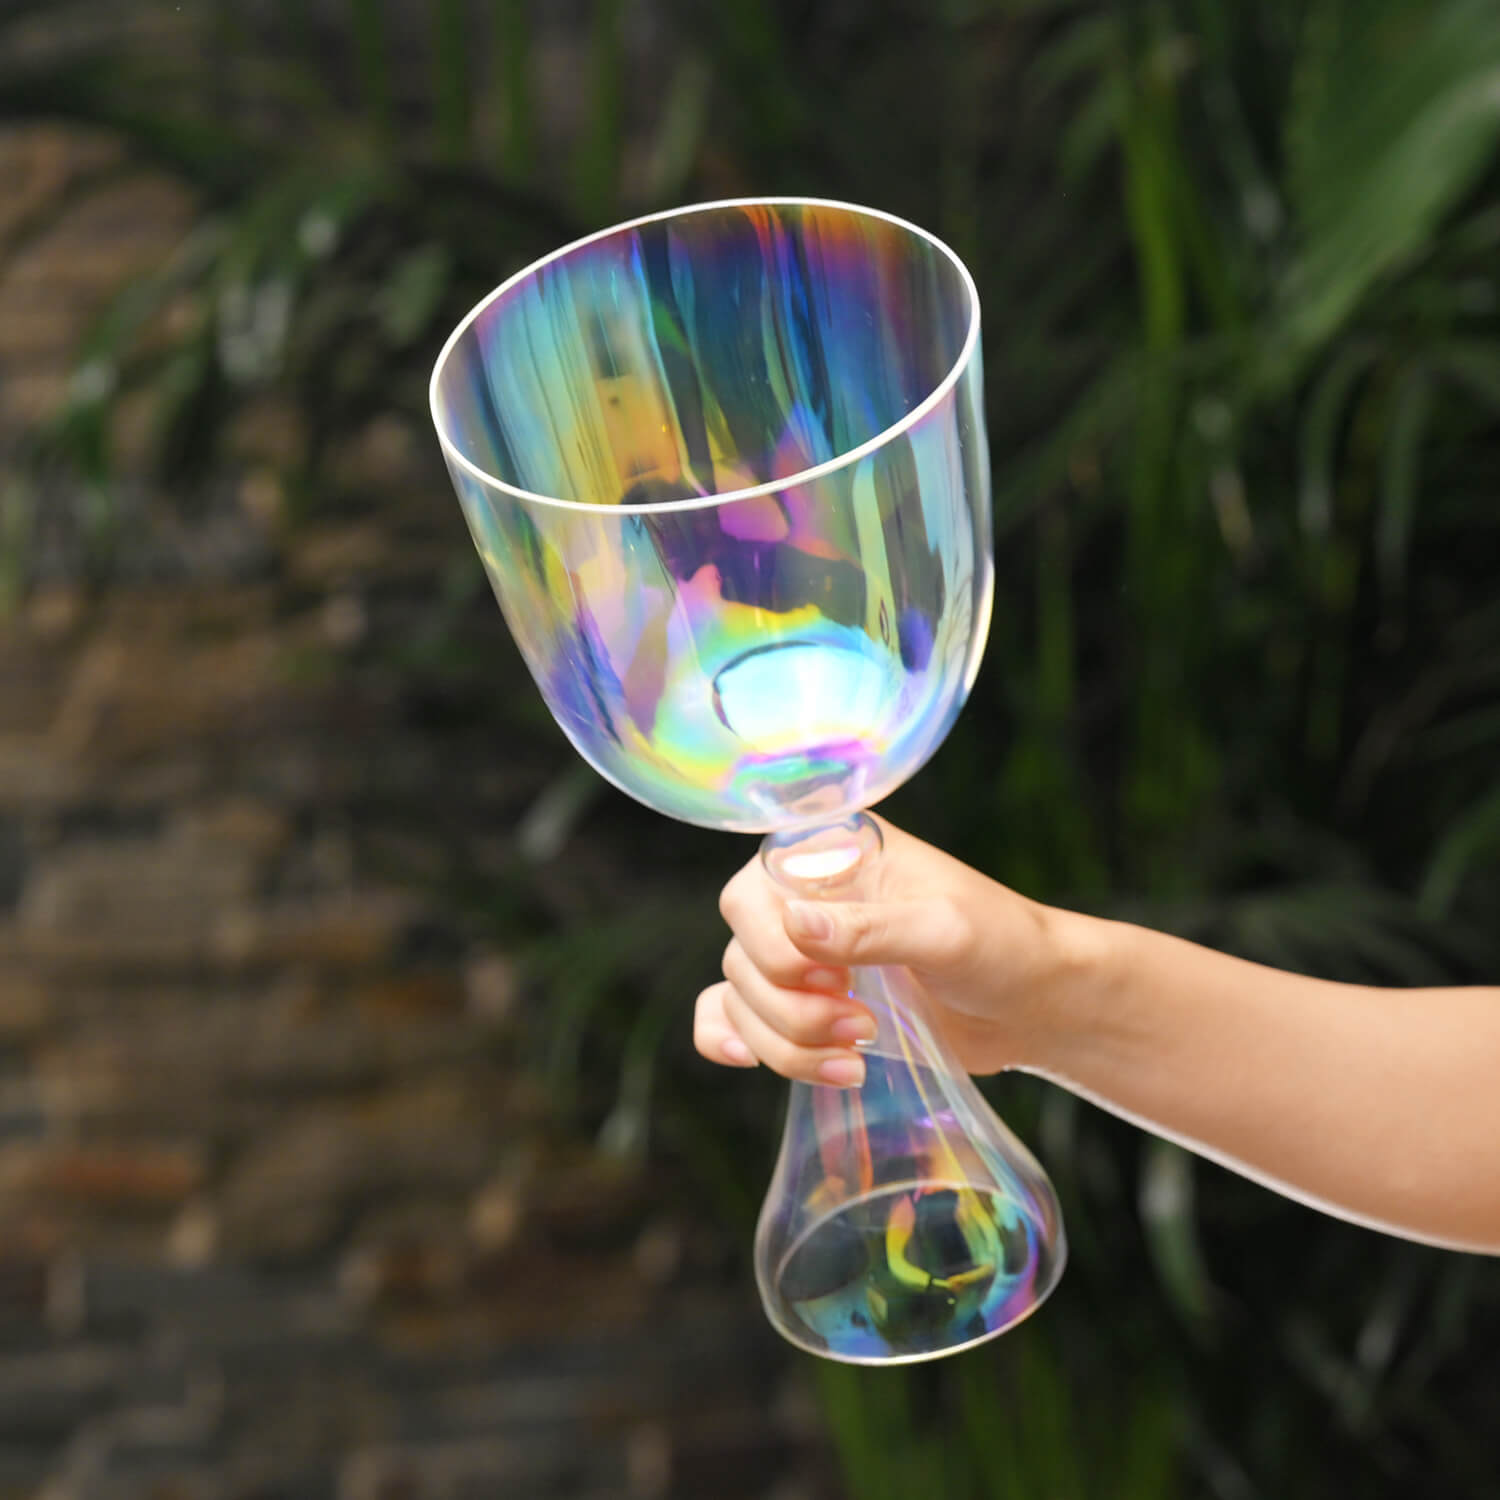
(904, 1221)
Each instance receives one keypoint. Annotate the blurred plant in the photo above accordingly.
(1243, 346)
(1241, 310)
(1245, 629)
(361, 187)
(1007, 1428)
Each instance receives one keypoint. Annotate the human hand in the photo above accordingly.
(989, 966)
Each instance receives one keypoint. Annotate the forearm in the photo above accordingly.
(1379, 1105)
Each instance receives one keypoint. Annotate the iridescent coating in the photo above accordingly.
(917, 1235)
(904, 1220)
(726, 469)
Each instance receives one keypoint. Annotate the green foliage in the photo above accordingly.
(512, 51)
(1238, 262)
(1393, 115)
(1007, 1421)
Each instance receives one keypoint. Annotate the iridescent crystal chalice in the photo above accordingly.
(726, 468)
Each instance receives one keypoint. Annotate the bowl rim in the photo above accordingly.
(770, 487)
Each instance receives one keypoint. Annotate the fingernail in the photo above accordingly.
(848, 1030)
(737, 1052)
(844, 1072)
(827, 979)
(807, 920)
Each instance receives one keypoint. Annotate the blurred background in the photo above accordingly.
(351, 1141)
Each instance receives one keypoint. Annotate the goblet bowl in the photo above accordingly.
(726, 471)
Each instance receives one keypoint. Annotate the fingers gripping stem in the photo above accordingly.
(836, 862)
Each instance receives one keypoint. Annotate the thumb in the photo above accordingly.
(927, 935)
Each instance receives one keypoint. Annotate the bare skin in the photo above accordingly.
(1380, 1106)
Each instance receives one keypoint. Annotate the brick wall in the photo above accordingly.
(281, 1213)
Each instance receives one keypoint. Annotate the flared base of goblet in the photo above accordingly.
(836, 1296)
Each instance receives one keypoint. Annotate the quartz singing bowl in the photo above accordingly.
(726, 468)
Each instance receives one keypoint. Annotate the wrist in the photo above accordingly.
(1080, 999)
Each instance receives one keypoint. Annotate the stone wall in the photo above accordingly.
(281, 1211)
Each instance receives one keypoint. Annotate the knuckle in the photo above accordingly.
(733, 962)
(954, 934)
(807, 1020)
(867, 929)
(786, 1057)
(787, 970)
(770, 1046)
(732, 898)
(853, 926)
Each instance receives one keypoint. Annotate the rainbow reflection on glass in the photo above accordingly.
(903, 1221)
(726, 469)
(744, 599)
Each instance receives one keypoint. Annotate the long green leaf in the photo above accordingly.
(1395, 114)
(372, 62)
(1473, 364)
(1169, 1218)
(1322, 425)
(450, 83)
(517, 153)
(1472, 836)
(597, 163)
(684, 118)
(1411, 410)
